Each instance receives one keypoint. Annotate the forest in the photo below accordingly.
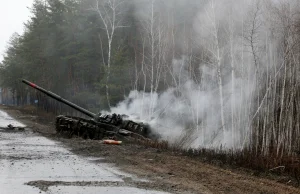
(213, 74)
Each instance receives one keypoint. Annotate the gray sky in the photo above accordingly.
(13, 13)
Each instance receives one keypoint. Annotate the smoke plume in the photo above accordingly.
(190, 110)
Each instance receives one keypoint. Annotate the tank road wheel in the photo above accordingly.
(90, 133)
(99, 133)
(71, 130)
(57, 125)
(81, 131)
(85, 134)
(75, 128)
(61, 127)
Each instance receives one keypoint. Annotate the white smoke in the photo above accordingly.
(192, 106)
(181, 109)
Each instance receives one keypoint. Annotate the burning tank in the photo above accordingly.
(99, 126)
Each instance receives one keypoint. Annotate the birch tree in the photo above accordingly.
(252, 36)
(154, 48)
(110, 12)
(213, 46)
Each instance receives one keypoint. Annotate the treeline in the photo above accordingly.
(95, 52)
(92, 51)
(65, 49)
(227, 70)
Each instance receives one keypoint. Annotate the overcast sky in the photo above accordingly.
(13, 14)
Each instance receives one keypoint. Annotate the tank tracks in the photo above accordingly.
(108, 126)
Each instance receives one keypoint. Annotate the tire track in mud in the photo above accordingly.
(45, 185)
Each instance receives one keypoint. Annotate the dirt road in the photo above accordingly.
(164, 171)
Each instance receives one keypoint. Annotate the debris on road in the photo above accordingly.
(11, 127)
(113, 142)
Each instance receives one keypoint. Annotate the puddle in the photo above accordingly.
(97, 190)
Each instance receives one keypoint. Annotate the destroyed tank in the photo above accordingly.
(99, 125)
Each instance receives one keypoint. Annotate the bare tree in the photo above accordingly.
(252, 36)
(154, 48)
(216, 52)
(110, 12)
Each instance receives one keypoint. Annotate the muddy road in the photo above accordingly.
(36, 160)
(31, 163)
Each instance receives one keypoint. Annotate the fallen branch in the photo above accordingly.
(282, 167)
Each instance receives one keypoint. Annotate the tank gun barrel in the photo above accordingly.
(60, 99)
